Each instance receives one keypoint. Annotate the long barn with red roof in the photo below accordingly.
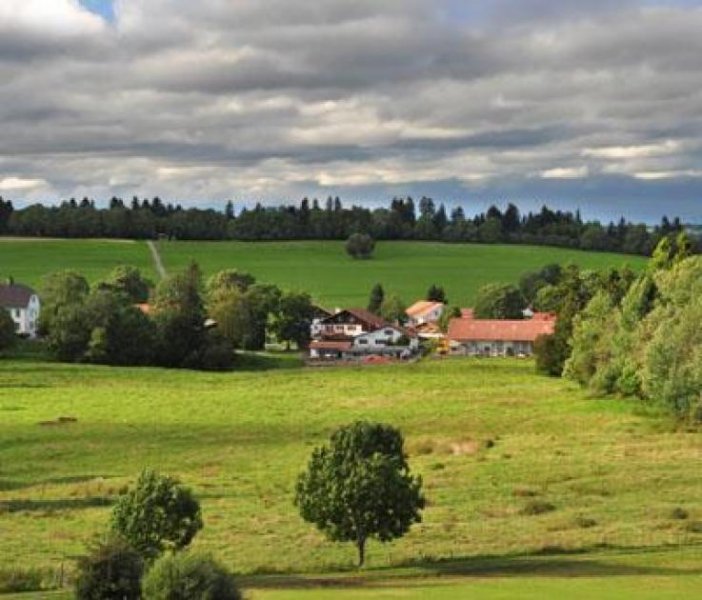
(493, 337)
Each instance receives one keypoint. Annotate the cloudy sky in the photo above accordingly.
(595, 104)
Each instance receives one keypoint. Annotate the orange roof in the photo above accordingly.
(543, 316)
(144, 307)
(422, 307)
(464, 330)
(467, 313)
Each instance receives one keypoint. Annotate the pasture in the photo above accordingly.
(492, 440)
(29, 259)
(406, 268)
(321, 268)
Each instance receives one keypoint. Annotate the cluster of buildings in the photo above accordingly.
(355, 333)
(358, 334)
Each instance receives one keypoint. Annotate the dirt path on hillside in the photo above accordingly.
(158, 263)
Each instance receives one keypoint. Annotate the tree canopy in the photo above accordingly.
(359, 486)
(158, 514)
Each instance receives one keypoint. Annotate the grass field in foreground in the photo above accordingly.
(612, 475)
(604, 575)
(406, 268)
(28, 260)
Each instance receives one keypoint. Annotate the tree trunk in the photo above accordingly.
(361, 545)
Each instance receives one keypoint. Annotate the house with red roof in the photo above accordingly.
(355, 332)
(495, 337)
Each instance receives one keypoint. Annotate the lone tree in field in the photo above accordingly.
(359, 486)
(158, 514)
(360, 245)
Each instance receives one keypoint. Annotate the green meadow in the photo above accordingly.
(29, 259)
(533, 488)
(321, 268)
(404, 268)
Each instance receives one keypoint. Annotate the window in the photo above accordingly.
(363, 342)
(388, 332)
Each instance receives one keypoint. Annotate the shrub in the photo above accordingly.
(360, 245)
(158, 514)
(14, 581)
(189, 577)
(585, 522)
(7, 330)
(112, 570)
(679, 514)
(694, 527)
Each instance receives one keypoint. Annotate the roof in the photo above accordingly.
(463, 330)
(362, 315)
(144, 307)
(423, 307)
(330, 345)
(467, 313)
(15, 295)
(543, 316)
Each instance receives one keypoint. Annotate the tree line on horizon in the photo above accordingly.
(403, 219)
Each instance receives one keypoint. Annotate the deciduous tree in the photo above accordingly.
(359, 486)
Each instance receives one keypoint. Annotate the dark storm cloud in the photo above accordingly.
(218, 98)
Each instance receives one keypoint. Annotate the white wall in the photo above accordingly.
(492, 348)
(26, 319)
(382, 339)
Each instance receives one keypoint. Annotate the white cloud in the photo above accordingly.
(640, 151)
(19, 184)
(565, 173)
(65, 17)
(655, 175)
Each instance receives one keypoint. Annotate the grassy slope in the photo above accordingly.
(406, 268)
(239, 439)
(28, 260)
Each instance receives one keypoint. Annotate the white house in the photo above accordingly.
(425, 311)
(386, 341)
(23, 305)
(345, 324)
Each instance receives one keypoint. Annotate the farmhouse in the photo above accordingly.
(424, 311)
(487, 337)
(355, 333)
(388, 340)
(23, 305)
(347, 323)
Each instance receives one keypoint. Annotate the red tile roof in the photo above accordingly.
(467, 313)
(543, 316)
(473, 330)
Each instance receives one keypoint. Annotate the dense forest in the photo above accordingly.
(401, 220)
